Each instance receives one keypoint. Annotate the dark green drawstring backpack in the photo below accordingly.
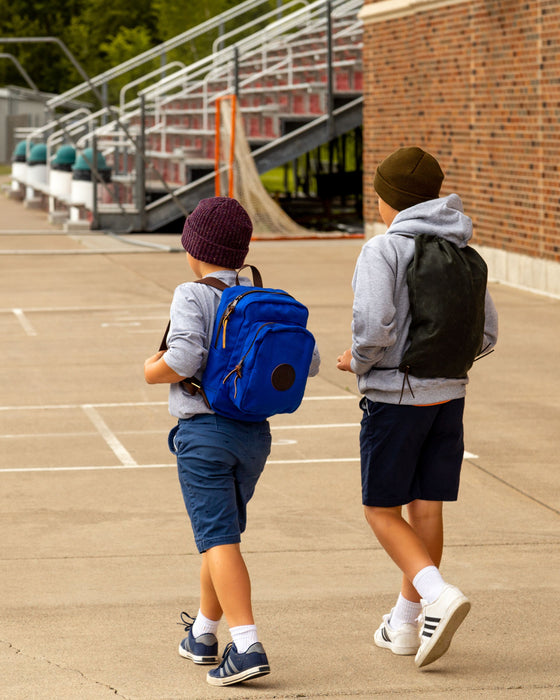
(447, 288)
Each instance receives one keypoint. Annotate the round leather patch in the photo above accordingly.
(283, 376)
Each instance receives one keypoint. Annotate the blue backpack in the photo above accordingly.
(260, 354)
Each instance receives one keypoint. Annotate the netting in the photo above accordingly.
(269, 219)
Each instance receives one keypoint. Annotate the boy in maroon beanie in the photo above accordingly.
(219, 459)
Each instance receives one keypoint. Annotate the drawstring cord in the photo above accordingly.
(406, 380)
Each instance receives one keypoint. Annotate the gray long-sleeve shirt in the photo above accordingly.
(381, 310)
(192, 315)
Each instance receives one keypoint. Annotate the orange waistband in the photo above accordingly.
(437, 403)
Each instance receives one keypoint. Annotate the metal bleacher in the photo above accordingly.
(297, 74)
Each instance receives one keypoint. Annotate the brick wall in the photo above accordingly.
(478, 85)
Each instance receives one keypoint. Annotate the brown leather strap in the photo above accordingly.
(192, 385)
(163, 344)
(257, 278)
(211, 282)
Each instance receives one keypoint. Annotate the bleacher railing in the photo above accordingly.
(124, 133)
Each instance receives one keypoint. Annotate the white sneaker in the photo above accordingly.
(403, 641)
(441, 620)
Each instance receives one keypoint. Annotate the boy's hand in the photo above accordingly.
(344, 360)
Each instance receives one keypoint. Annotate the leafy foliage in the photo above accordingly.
(99, 34)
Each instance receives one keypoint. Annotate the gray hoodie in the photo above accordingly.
(381, 311)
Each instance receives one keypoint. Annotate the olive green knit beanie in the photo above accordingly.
(407, 177)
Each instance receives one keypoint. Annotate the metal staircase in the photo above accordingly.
(297, 75)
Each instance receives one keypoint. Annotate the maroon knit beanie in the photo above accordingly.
(218, 232)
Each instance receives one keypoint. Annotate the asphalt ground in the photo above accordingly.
(96, 555)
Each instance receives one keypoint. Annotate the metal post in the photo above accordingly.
(94, 182)
(330, 84)
(105, 99)
(141, 165)
(236, 71)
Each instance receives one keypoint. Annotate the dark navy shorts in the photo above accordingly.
(219, 462)
(410, 452)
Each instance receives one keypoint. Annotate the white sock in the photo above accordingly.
(243, 636)
(405, 612)
(429, 583)
(202, 625)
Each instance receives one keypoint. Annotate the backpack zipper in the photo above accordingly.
(231, 308)
(238, 369)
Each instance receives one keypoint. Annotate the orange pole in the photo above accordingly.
(232, 143)
(217, 150)
(217, 183)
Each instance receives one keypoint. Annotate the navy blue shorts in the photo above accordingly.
(410, 452)
(219, 462)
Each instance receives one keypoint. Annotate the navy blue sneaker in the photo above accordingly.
(236, 667)
(200, 650)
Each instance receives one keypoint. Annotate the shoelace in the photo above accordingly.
(227, 651)
(187, 621)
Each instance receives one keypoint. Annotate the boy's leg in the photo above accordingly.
(399, 630)
(227, 585)
(201, 643)
(426, 519)
(398, 539)
(209, 604)
(245, 658)
(444, 611)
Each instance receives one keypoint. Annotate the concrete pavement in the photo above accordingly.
(96, 555)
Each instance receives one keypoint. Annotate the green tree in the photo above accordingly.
(100, 35)
(45, 63)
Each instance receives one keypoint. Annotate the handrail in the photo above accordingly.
(145, 77)
(69, 55)
(121, 131)
(156, 51)
(21, 69)
(212, 64)
(238, 30)
(40, 130)
(69, 131)
(276, 28)
(294, 19)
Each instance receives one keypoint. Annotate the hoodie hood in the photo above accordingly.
(442, 217)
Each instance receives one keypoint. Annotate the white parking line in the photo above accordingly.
(117, 467)
(110, 438)
(25, 324)
(73, 406)
(128, 462)
(134, 404)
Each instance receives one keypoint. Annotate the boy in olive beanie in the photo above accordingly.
(411, 444)
(407, 177)
(219, 459)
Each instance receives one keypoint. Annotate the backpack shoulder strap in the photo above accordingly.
(191, 384)
(257, 277)
(210, 282)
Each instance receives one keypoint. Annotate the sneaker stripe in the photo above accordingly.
(384, 634)
(230, 667)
